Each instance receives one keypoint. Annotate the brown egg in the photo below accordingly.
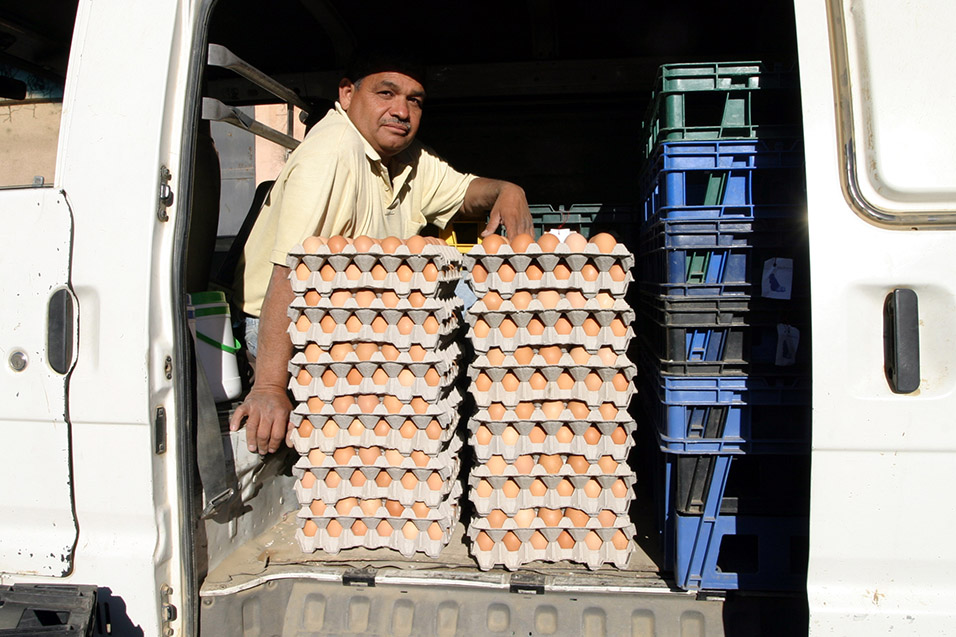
(521, 299)
(327, 324)
(577, 517)
(343, 455)
(509, 436)
(404, 273)
(394, 508)
(575, 298)
(390, 244)
(311, 245)
(617, 273)
(565, 381)
(334, 528)
(430, 324)
(434, 531)
(580, 355)
(619, 436)
(379, 272)
(317, 507)
(593, 382)
(329, 378)
(384, 529)
(345, 505)
(479, 274)
(433, 430)
(564, 435)
(550, 517)
(303, 324)
(369, 455)
(370, 506)
(548, 242)
(552, 409)
(537, 435)
(409, 530)
(416, 299)
(341, 404)
(575, 242)
(340, 297)
(506, 273)
(608, 411)
(315, 404)
(589, 272)
(353, 324)
(619, 489)
(379, 325)
(389, 299)
(484, 489)
(408, 430)
(511, 489)
(483, 435)
(538, 541)
(523, 355)
(337, 244)
(420, 509)
(495, 356)
(604, 242)
(496, 411)
(303, 378)
(405, 377)
(608, 464)
(579, 464)
(524, 464)
(535, 327)
(327, 272)
(538, 381)
(382, 428)
(593, 541)
(417, 352)
(620, 382)
(419, 405)
(511, 541)
(394, 457)
(620, 540)
(352, 272)
(430, 272)
(481, 329)
(365, 298)
(409, 481)
(521, 242)
(618, 328)
(415, 244)
(383, 479)
(310, 528)
(524, 410)
(551, 463)
(565, 540)
(605, 300)
(592, 488)
(607, 518)
(551, 354)
(510, 382)
(608, 356)
(496, 518)
(537, 488)
(367, 403)
(305, 429)
(392, 404)
(435, 483)
(492, 242)
(389, 351)
(549, 298)
(592, 435)
(533, 272)
(565, 488)
(330, 429)
(316, 457)
(492, 300)
(405, 325)
(354, 377)
(484, 541)
(562, 272)
(496, 465)
(524, 518)
(359, 528)
(579, 409)
(419, 457)
(308, 480)
(507, 328)
(302, 272)
(357, 479)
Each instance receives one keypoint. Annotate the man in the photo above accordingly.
(359, 171)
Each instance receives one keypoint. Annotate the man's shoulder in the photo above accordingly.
(332, 135)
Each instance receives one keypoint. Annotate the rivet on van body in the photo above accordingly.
(18, 361)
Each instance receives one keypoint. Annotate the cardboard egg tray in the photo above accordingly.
(510, 499)
(509, 523)
(535, 306)
(418, 386)
(564, 470)
(395, 538)
(384, 458)
(444, 410)
(379, 508)
(549, 318)
(520, 388)
(404, 434)
(548, 281)
(368, 334)
(547, 260)
(442, 359)
(443, 286)
(550, 336)
(538, 361)
(538, 415)
(580, 552)
(440, 255)
(418, 491)
(441, 309)
(444, 312)
(605, 445)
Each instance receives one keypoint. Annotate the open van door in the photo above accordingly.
(37, 335)
(881, 179)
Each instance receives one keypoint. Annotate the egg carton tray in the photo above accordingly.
(443, 256)
(379, 508)
(551, 318)
(444, 410)
(551, 382)
(548, 281)
(562, 465)
(511, 495)
(442, 287)
(593, 398)
(553, 411)
(581, 552)
(417, 335)
(442, 359)
(602, 260)
(441, 308)
(375, 457)
(509, 523)
(535, 306)
(424, 485)
(406, 437)
(424, 539)
(564, 358)
(609, 439)
(416, 386)
(550, 336)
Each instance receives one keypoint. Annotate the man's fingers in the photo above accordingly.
(278, 433)
(493, 222)
(252, 426)
(235, 421)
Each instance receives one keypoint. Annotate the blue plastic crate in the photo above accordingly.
(731, 552)
(698, 310)
(705, 350)
(706, 270)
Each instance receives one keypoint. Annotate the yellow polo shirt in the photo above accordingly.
(336, 184)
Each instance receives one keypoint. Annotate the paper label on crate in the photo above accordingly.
(560, 233)
(788, 339)
(777, 280)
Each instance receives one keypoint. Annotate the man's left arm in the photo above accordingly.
(505, 203)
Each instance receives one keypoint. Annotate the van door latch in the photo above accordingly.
(165, 193)
(359, 577)
(168, 610)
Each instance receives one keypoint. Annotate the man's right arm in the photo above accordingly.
(267, 407)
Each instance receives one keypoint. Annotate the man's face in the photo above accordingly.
(386, 108)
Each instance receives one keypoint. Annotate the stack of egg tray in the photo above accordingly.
(374, 369)
(552, 384)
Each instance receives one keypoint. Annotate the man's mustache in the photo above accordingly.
(398, 122)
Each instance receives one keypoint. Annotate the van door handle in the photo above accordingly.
(901, 341)
(59, 337)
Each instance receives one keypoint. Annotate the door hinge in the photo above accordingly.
(165, 193)
(160, 430)
(167, 610)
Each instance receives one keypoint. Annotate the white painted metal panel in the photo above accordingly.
(37, 527)
(883, 464)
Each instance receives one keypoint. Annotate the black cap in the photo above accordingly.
(381, 60)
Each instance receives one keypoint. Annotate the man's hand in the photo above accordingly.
(266, 412)
(506, 202)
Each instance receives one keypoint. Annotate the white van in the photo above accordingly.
(112, 204)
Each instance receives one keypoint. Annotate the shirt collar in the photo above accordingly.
(400, 159)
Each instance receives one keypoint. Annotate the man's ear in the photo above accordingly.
(346, 89)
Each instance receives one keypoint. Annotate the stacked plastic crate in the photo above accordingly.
(552, 384)
(724, 323)
(374, 326)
